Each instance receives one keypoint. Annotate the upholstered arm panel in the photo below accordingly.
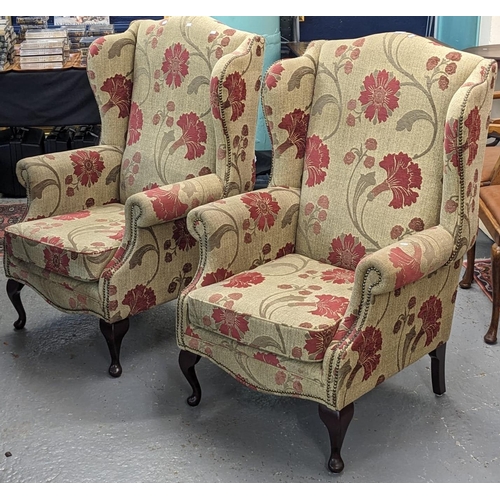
(168, 203)
(287, 94)
(110, 67)
(370, 348)
(234, 87)
(466, 131)
(400, 264)
(241, 232)
(69, 181)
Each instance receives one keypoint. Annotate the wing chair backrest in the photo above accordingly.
(381, 135)
(180, 96)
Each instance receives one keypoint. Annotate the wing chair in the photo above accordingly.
(489, 214)
(344, 270)
(105, 232)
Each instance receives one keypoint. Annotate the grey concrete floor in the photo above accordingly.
(63, 419)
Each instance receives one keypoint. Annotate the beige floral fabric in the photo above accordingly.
(105, 231)
(378, 145)
(78, 245)
(299, 300)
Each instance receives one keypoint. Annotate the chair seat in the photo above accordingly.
(63, 245)
(267, 308)
(491, 157)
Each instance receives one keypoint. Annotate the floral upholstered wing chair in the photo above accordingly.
(105, 232)
(344, 270)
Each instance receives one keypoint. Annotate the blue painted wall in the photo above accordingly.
(269, 27)
(460, 32)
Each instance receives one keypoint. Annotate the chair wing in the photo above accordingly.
(354, 250)
(105, 232)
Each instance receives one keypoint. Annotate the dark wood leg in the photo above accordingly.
(114, 333)
(337, 423)
(13, 291)
(469, 270)
(437, 369)
(187, 362)
(491, 334)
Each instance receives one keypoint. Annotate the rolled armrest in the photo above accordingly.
(174, 201)
(402, 263)
(243, 231)
(69, 181)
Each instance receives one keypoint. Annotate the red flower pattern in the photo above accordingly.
(220, 275)
(295, 123)
(380, 96)
(330, 306)
(245, 280)
(367, 344)
(237, 90)
(346, 252)
(214, 97)
(430, 313)
(263, 209)
(230, 323)
(135, 124)
(73, 216)
(410, 266)
(473, 123)
(317, 158)
(119, 89)
(274, 75)
(175, 65)
(318, 342)
(182, 236)
(451, 141)
(96, 46)
(194, 135)
(56, 260)
(270, 359)
(140, 298)
(402, 176)
(339, 276)
(87, 166)
(287, 249)
(166, 203)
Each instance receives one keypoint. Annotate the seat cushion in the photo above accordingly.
(79, 244)
(291, 306)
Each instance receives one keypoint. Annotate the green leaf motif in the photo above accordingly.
(138, 255)
(116, 48)
(37, 190)
(345, 369)
(167, 138)
(197, 82)
(288, 218)
(265, 341)
(113, 175)
(322, 102)
(407, 121)
(215, 238)
(297, 76)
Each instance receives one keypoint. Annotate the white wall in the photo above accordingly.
(489, 30)
(489, 34)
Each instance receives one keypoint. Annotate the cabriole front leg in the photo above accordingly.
(466, 281)
(187, 362)
(337, 423)
(13, 291)
(491, 334)
(438, 356)
(114, 333)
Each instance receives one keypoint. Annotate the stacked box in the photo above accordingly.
(7, 42)
(31, 23)
(44, 49)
